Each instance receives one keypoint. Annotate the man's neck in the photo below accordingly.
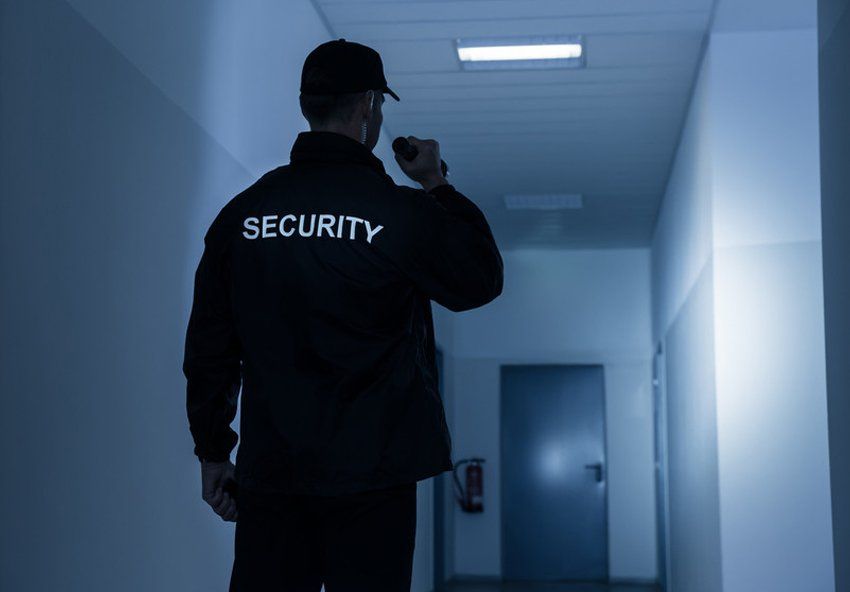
(339, 129)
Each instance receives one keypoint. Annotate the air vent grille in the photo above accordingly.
(544, 201)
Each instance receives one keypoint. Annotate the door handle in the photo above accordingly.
(598, 468)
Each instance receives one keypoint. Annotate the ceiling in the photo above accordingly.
(608, 131)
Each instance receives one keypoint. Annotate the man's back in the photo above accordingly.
(318, 278)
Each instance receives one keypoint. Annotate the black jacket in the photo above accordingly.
(313, 295)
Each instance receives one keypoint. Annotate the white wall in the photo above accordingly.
(771, 380)
(693, 493)
(682, 242)
(834, 83)
(234, 68)
(683, 296)
(101, 178)
(125, 127)
(746, 176)
(562, 307)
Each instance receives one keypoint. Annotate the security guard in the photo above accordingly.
(313, 296)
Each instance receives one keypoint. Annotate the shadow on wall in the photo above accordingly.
(101, 186)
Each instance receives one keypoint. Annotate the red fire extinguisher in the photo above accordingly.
(471, 498)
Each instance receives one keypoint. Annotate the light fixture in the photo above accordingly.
(521, 52)
(544, 201)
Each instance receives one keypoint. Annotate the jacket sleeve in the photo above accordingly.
(212, 360)
(449, 251)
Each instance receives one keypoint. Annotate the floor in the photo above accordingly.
(543, 587)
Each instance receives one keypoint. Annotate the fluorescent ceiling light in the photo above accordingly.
(496, 53)
(521, 52)
(545, 201)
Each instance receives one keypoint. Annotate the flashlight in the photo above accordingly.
(408, 152)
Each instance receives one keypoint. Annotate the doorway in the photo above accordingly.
(660, 419)
(553, 478)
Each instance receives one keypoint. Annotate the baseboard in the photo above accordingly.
(465, 579)
(634, 581)
(468, 579)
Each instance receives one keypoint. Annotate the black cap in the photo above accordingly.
(341, 66)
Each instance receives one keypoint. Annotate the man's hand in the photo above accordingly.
(213, 477)
(425, 168)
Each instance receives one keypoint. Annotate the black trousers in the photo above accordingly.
(360, 542)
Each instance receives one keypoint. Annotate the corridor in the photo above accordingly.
(656, 400)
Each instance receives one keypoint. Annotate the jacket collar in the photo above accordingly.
(323, 146)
